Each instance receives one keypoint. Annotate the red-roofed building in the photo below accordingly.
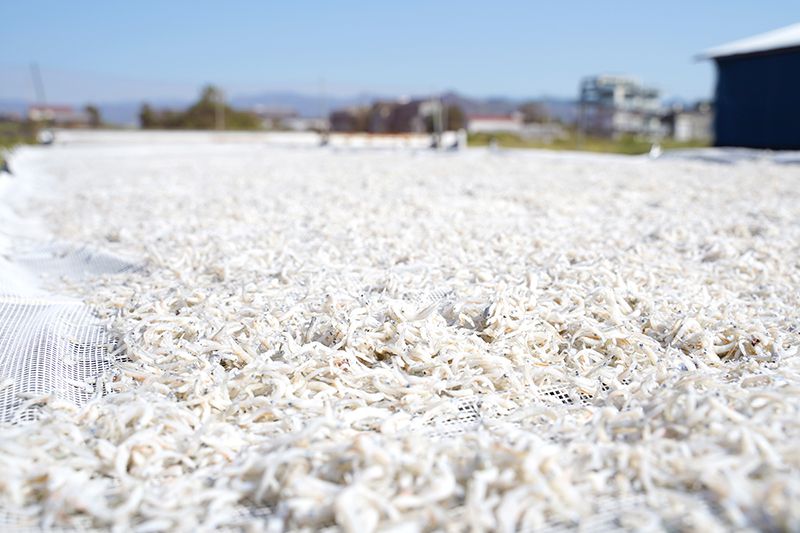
(495, 123)
(57, 115)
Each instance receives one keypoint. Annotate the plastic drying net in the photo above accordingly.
(51, 348)
(71, 263)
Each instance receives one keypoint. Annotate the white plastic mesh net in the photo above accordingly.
(49, 348)
(67, 262)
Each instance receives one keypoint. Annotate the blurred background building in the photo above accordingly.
(60, 115)
(619, 105)
(509, 123)
(689, 123)
(422, 115)
(274, 117)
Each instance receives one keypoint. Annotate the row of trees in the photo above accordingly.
(209, 112)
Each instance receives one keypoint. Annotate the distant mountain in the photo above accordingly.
(561, 109)
(306, 105)
(127, 113)
(481, 106)
(13, 107)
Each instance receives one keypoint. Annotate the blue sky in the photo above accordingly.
(106, 51)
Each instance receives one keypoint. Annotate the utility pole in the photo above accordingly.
(444, 113)
(38, 86)
(581, 115)
(323, 99)
(438, 125)
(325, 127)
(43, 136)
(219, 114)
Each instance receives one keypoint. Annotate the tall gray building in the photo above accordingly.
(619, 105)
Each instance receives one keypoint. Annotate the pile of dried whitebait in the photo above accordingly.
(414, 341)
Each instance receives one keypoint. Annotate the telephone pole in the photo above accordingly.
(38, 86)
(219, 111)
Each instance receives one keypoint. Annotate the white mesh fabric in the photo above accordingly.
(61, 261)
(459, 417)
(23, 523)
(49, 347)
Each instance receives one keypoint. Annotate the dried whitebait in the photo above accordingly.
(370, 339)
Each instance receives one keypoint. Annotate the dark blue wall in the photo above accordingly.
(757, 101)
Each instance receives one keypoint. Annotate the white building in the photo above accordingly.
(495, 123)
(690, 124)
(306, 124)
(619, 105)
(59, 115)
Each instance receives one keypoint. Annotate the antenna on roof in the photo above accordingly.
(37, 84)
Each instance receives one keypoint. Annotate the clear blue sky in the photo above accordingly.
(106, 50)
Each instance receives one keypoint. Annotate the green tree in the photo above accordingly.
(203, 114)
(95, 120)
(241, 120)
(211, 95)
(147, 117)
(456, 119)
(533, 112)
(209, 112)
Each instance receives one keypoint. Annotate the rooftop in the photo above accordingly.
(56, 108)
(787, 37)
(509, 118)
